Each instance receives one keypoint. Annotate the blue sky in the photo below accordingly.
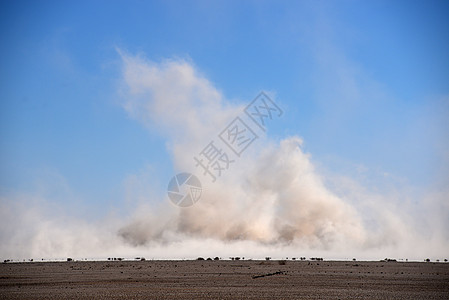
(364, 83)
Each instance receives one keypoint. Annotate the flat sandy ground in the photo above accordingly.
(224, 280)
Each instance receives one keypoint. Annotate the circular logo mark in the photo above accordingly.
(184, 189)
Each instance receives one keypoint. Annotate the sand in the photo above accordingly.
(224, 280)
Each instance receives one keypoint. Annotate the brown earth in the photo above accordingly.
(224, 280)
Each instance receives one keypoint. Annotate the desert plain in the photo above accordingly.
(224, 279)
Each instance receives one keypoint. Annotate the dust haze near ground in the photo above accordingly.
(275, 197)
(272, 202)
